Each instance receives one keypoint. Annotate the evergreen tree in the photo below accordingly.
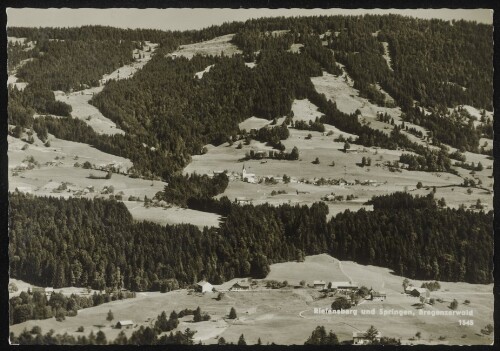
(241, 340)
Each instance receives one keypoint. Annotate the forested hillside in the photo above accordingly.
(57, 242)
(65, 65)
(434, 63)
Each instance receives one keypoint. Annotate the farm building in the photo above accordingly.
(409, 289)
(418, 292)
(125, 324)
(204, 286)
(360, 338)
(377, 295)
(343, 286)
(240, 286)
(319, 284)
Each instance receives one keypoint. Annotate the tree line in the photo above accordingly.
(35, 304)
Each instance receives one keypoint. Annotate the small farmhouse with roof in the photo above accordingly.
(125, 324)
(240, 286)
(204, 286)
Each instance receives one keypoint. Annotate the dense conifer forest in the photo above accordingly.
(57, 242)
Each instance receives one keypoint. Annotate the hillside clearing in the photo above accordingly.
(172, 215)
(215, 47)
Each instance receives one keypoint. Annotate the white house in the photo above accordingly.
(319, 284)
(204, 286)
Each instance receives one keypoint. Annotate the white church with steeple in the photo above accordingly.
(247, 177)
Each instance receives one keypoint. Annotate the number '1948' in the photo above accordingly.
(468, 322)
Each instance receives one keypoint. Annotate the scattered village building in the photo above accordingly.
(421, 292)
(247, 177)
(125, 324)
(377, 295)
(240, 286)
(243, 201)
(204, 286)
(360, 338)
(319, 284)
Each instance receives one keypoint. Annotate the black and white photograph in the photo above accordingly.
(250, 176)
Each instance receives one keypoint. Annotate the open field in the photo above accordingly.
(200, 74)
(212, 47)
(386, 55)
(340, 90)
(66, 152)
(253, 123)
(324, 267)
(23, 286)
(304, 110)
(172, 215)
(286, 316)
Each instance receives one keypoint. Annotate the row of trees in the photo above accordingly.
(35, 305)
(142, 336)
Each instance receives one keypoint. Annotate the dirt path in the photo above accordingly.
(340, 267)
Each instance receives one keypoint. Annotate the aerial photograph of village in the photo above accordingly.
(250, 176)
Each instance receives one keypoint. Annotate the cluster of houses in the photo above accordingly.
(246, 176)
(347, 288)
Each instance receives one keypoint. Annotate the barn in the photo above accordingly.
(204, 286)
